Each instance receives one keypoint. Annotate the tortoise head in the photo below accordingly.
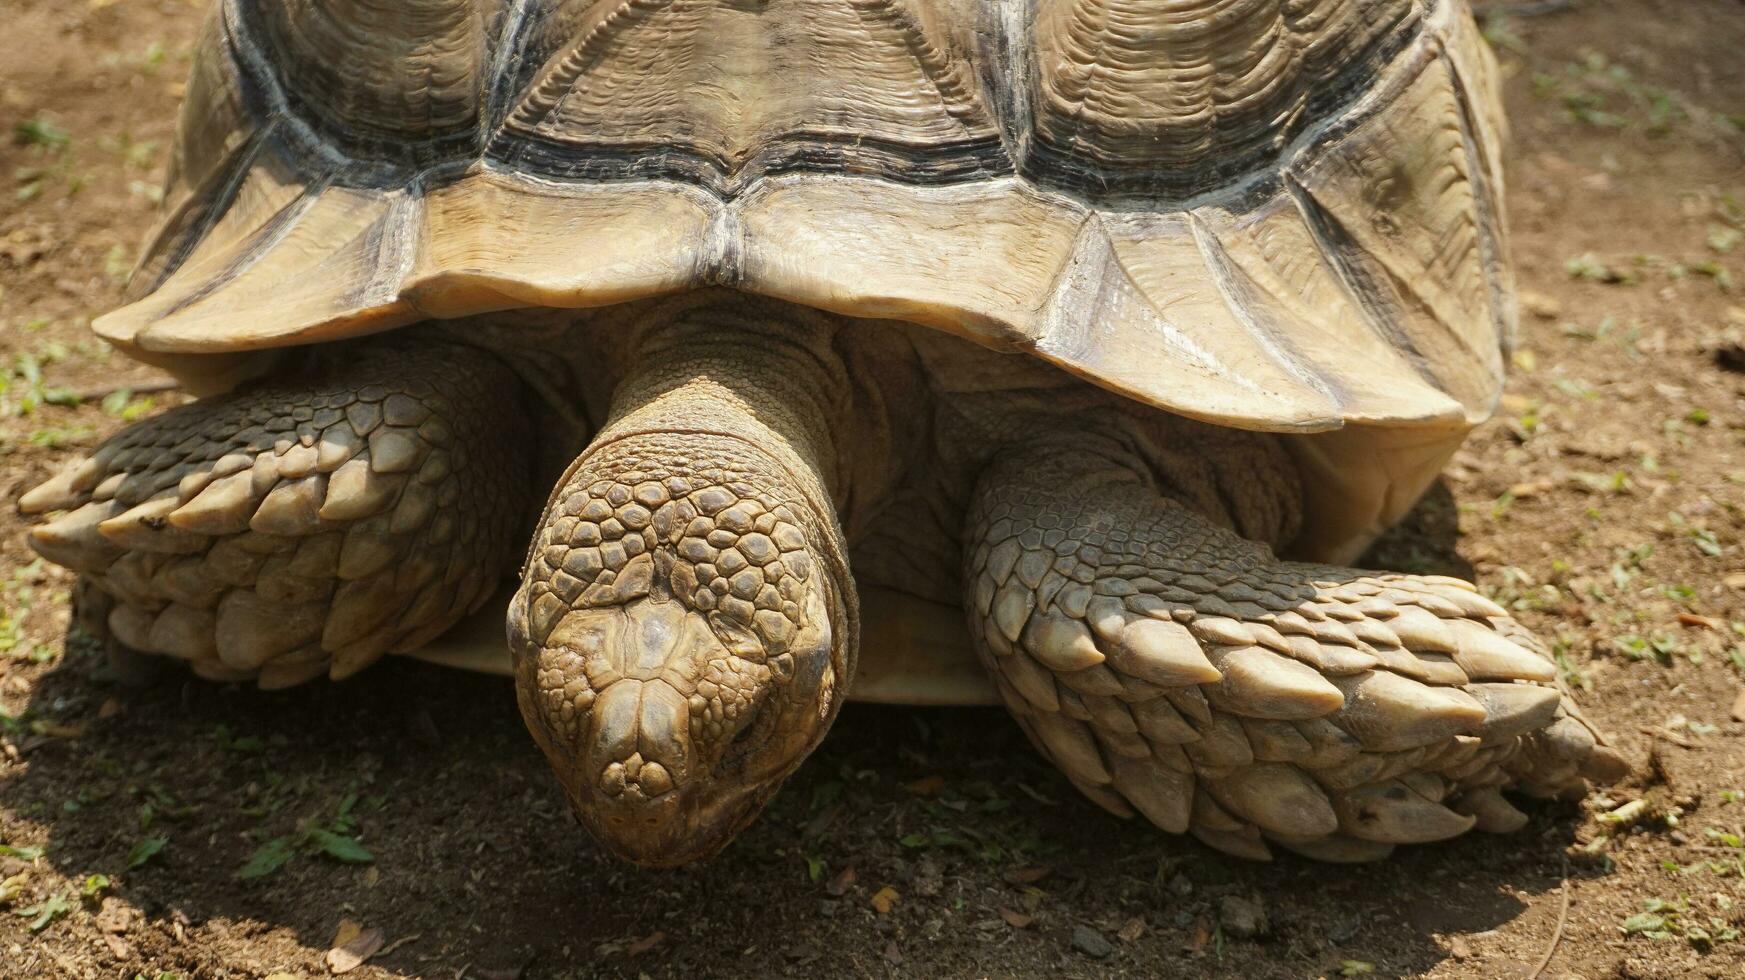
(686, 625)
(670, 726)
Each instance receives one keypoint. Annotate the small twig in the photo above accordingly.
(1667, 736)
(396, 944)
(139, 388)
(1556, 933)
(1523, 8)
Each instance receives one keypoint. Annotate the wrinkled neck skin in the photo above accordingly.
(687, 624)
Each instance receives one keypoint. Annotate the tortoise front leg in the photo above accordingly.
(1173, 667)
(305, 525)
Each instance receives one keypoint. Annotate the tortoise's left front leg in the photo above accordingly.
(1170, 666)
(306, 524)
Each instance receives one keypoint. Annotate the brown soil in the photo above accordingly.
(1604, 504)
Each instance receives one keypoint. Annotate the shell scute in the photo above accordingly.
(1337, 258)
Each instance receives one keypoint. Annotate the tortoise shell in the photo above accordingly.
(1279, 215)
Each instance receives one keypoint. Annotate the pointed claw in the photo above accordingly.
(1564, 753)
(1492, 813)
(1422, 631)
(1261, 684)
(1331, 659)
(1162, 652)
(1165, 796)
(1160, 722)
(146, 528)
(355, 490)
(223, 507)
(292, 508)
(1061, 642)
(1429, 668)
(1390, 713)
(1277, 741)
(74, 541)
(1389, 812)
(1071, 746)
(1222, 744)
(1514, 709)
(1032, 681)
(1486, 656)
(1012, 606)
(1472, 605)
(1277, 797)
(1218, 629)
(65, 489)
(1374, 633)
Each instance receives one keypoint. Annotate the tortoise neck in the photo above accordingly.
(762, 373)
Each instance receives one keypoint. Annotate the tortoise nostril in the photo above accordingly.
(637, 779)
(654, 779)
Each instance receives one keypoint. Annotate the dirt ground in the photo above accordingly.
(190, 829)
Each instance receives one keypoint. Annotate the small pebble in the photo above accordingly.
(1241, 917)
(1091, 942)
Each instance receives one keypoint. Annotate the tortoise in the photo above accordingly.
(1057, 355)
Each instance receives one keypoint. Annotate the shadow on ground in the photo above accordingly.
(998, 866)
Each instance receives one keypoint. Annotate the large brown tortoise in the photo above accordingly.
(1072, 314)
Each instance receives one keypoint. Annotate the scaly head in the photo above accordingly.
(685, 629)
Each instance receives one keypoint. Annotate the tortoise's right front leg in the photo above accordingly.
(1170, 666)
(306, 525)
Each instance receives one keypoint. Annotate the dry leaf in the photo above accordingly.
(839, 885)
(645, 944)
(1706, 622)
(351, 954)
(1016, 919)
(347, 931)
(884, 899)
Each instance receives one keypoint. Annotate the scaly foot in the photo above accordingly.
(1170, 666)
(306, 525)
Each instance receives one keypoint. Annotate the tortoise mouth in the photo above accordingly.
(668, 734)
(677, 826)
